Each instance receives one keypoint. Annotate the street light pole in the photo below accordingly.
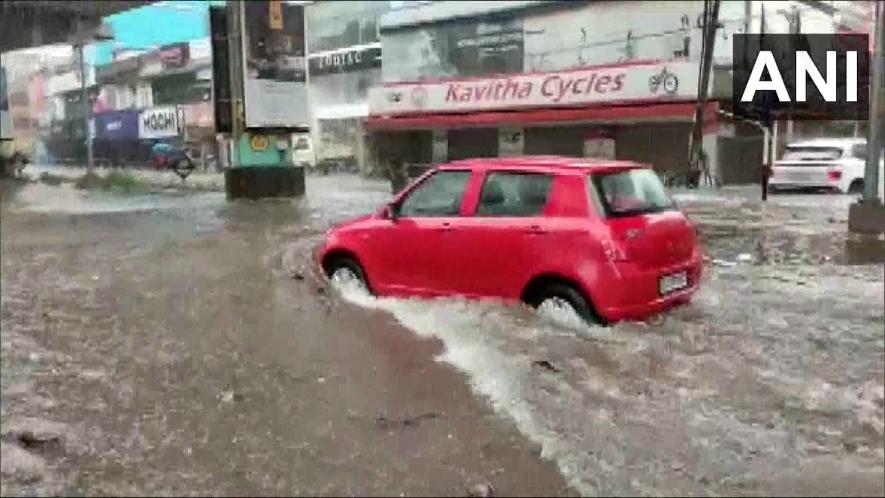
(85, 107)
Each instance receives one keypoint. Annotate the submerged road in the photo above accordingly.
(168, 344)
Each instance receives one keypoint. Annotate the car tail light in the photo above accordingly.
(834, 175)
(613, 251)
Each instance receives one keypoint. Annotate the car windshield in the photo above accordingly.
(805, 153)
(631, 192)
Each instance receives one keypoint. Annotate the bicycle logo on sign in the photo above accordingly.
(666, 80)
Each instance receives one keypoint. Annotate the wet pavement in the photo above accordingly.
(160, 345)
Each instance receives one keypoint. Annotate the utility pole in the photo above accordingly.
(84, 105)
(235, 65)
(711, 20)
(768, 154)
(868, 215)
(874, 147)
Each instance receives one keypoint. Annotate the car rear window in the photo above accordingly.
(811, 153)
(513, 194)
(630, 192)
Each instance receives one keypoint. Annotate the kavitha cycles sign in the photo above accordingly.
(672, 81)
(161, 122)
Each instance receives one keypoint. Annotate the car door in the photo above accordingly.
(504, 237)
(415, 243)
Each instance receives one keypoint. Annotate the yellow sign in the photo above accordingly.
(276, 14)
(259, 143)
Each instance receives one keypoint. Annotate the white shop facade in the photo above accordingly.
(641, 111)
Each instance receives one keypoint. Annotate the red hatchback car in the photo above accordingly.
(601, 237)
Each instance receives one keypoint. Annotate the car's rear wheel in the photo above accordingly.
(856, 187)
(558, 300)
(346, 274)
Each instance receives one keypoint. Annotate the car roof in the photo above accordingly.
(560, 164)
(827, 142)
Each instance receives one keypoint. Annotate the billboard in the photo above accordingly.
(456, 49)
(116, 125)
(274, 64)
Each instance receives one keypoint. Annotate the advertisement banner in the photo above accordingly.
(456, 49)
(275, 65)
(118, 125)
(160, 122)
(675, 81)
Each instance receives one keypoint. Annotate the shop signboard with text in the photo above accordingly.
(342, 61)
(613, 84)
(160, 122)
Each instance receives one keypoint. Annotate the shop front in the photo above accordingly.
(640, 111)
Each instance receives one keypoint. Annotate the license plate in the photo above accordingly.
(674, 282)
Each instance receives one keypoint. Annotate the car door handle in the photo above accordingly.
(534, 230)
(446, 227)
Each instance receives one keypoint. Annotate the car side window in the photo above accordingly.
(859, 151)
(514, 194)
(438, 195)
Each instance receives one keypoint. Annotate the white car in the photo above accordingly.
(833, 164)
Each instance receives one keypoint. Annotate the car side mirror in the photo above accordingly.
(388, 212)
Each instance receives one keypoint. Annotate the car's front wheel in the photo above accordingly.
(559, 301)
(347, 274)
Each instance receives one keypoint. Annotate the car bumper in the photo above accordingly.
(782, 185)
(642, 300)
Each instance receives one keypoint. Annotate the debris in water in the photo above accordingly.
(40, 443)
(228, 396)
(546, 365)
(297, 274)
(385, 423)
(744, 257)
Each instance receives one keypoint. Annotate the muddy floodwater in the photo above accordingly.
(173, 343)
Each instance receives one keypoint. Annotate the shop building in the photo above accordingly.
(344, 62)
(162, 94)
(611, 79)
(602, 79)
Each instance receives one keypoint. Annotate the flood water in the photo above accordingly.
(167, 340)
